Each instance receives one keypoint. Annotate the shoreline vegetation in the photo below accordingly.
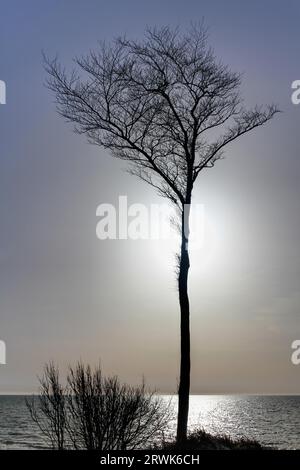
(94, 412)
(202, 440)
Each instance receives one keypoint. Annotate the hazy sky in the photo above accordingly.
(65, 295)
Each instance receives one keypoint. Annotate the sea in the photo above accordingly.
(272, 420)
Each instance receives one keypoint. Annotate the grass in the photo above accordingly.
(201, 440)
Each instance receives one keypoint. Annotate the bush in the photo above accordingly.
(95, 412)
(50, 413)
(201, 440)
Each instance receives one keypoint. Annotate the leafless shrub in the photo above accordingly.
(97, 413)
(49, 409)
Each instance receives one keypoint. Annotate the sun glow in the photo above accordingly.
(207, 246)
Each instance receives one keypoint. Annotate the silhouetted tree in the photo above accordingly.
(108, 415)
(95, 412)
(169, 108)
(49, 409)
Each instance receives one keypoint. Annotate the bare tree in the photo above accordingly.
(48, 410)
(108, 415)
(95, 412)
(169, 108)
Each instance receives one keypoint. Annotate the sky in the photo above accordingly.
(65, 295)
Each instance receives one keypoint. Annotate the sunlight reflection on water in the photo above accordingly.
(272, 420)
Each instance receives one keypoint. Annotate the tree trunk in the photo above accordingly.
(185, 361)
